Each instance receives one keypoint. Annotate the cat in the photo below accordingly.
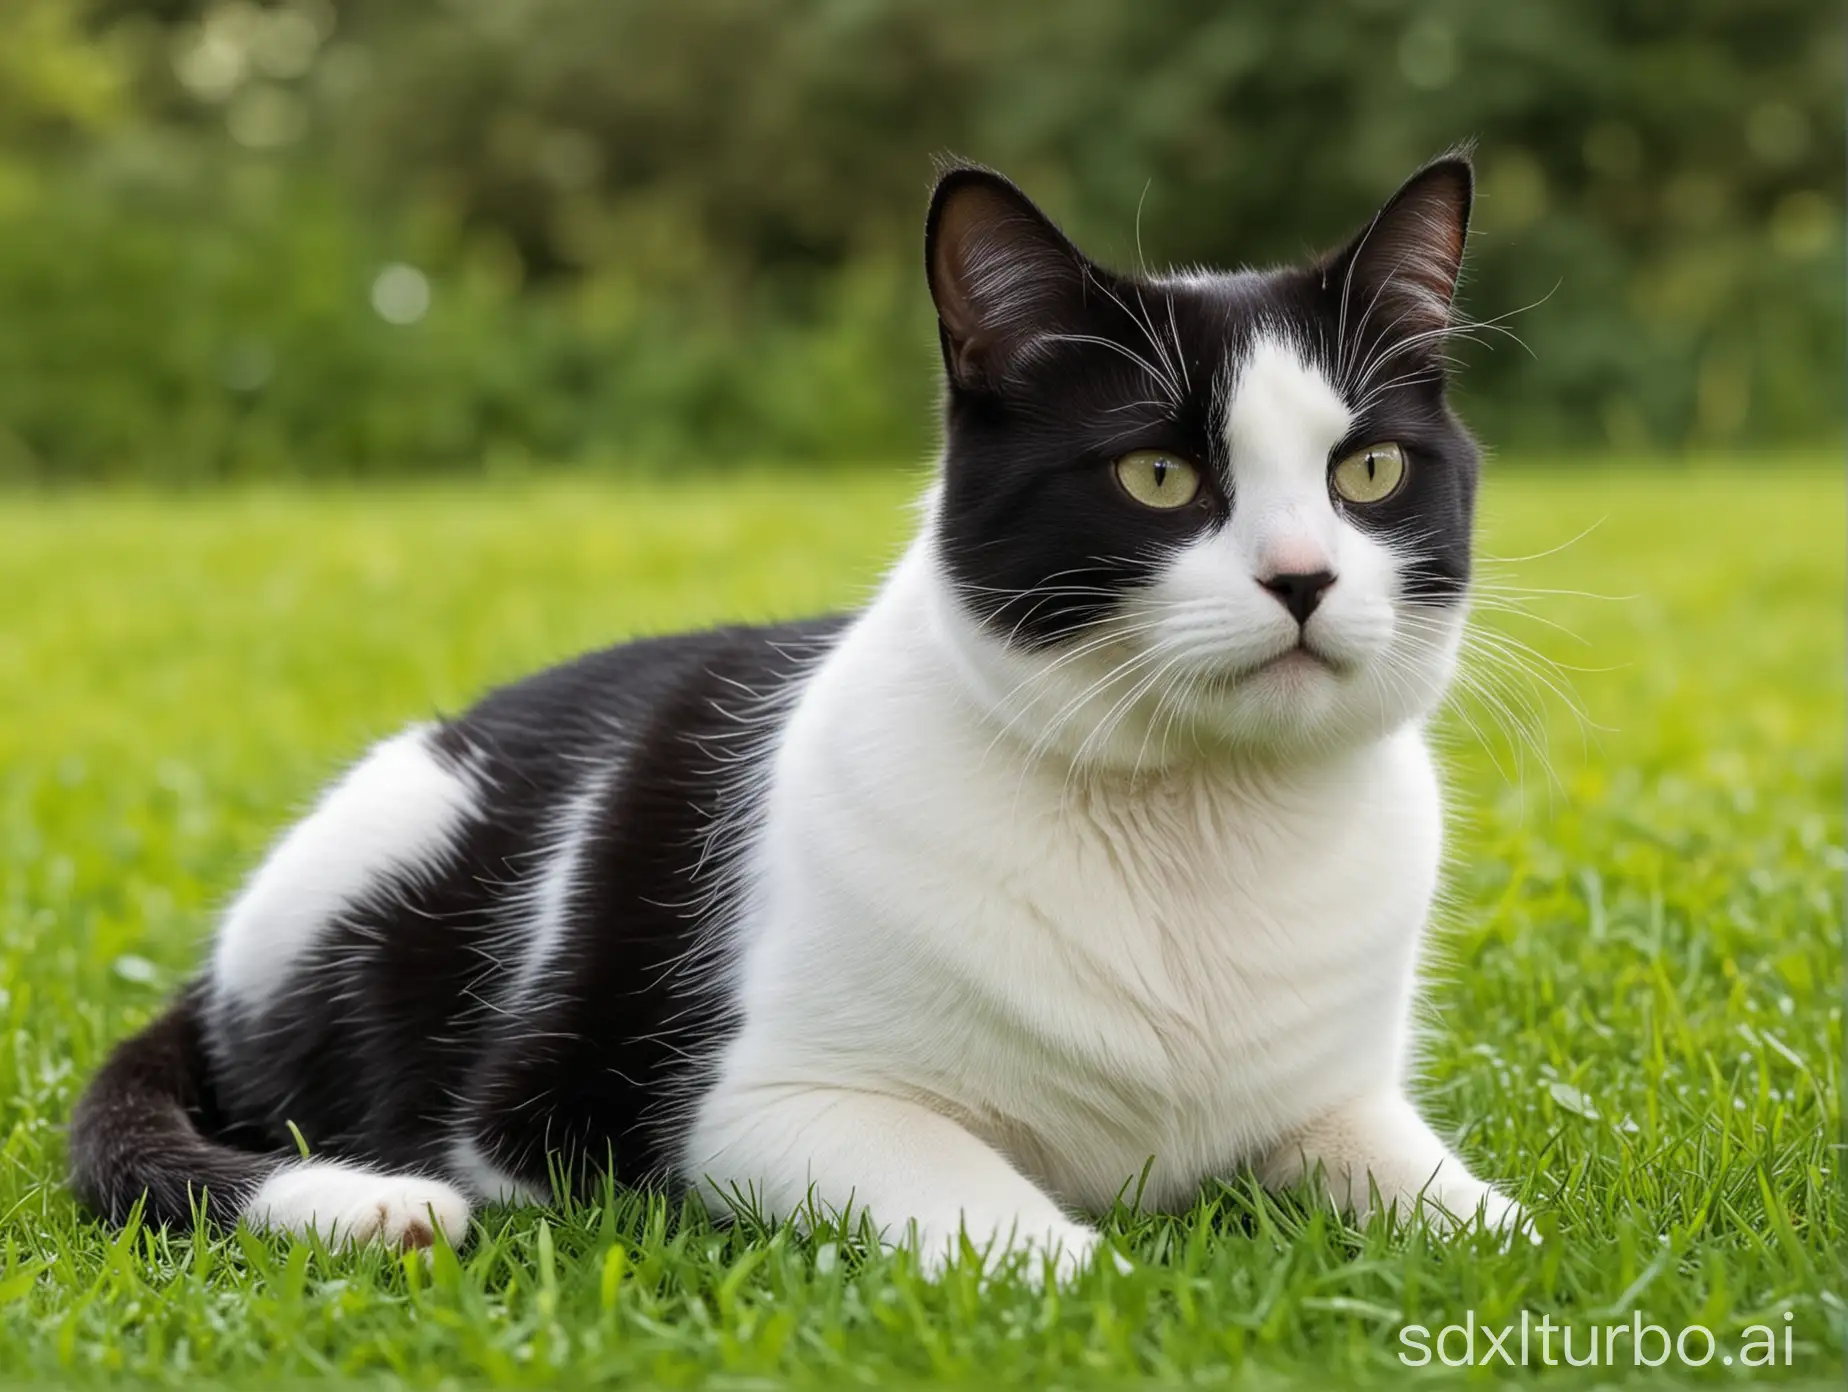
(1095, 852)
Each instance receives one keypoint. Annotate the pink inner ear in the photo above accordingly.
(1413, 252)
(1426, 246)
(955, 277)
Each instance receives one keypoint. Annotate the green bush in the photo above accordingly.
(227, 328)
(690, 231)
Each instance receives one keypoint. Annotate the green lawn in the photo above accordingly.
(1637, 1022)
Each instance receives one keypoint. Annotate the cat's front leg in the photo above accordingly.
(1377, 1150)
(925, 1180)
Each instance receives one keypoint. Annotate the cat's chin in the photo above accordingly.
(1290, 703)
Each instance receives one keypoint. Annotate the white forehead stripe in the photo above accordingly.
(1282, 419)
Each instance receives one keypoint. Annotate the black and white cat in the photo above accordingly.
(1103, 838)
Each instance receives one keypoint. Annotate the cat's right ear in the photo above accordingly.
(1001, 273)
(1408, 258)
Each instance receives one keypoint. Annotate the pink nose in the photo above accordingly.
(1292, 555)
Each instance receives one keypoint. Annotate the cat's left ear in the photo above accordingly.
(1402, 267)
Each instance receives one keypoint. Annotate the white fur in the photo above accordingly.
(393, 814)
(484, 1181)
(543, 911)
(1024, 923)
(350, 1204)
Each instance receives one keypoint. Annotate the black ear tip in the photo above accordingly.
(1449, 182)
(958, 176)
(954, 168)
(1453, 166)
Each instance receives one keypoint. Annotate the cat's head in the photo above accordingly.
(1201, 511)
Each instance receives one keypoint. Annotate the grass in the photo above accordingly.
(1637, 1022)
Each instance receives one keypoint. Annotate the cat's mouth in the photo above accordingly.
(1304, 657)
(1300, 655)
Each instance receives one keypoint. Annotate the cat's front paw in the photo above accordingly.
(1450, 1210)
(1503, 1215)
(1061, 1250)
(349, 1205)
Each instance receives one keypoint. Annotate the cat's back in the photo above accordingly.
(607, 699)
(434, 895)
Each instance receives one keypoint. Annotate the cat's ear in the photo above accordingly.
(1001, 273)
(1401, 269)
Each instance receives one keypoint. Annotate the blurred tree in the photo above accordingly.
(670, 206)
(54, 81)
(1660, 177)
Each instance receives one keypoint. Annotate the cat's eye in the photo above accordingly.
(1157, 479)
(1370, 475)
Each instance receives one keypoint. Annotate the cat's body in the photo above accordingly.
(1088, 973)
(1102, 841)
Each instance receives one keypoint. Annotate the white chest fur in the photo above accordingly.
(1087, 973)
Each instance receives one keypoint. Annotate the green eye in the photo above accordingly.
(1370, 475)
(1158, 480)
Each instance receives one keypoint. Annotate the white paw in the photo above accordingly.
(1451, 1210)
(1063, 1249)
(347, 1204)
(1503, 1215)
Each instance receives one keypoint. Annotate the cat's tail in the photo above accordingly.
(143, 1129)
(147, 1132)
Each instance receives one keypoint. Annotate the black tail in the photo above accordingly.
(146, 1127)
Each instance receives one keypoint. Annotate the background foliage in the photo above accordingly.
(325, 236)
